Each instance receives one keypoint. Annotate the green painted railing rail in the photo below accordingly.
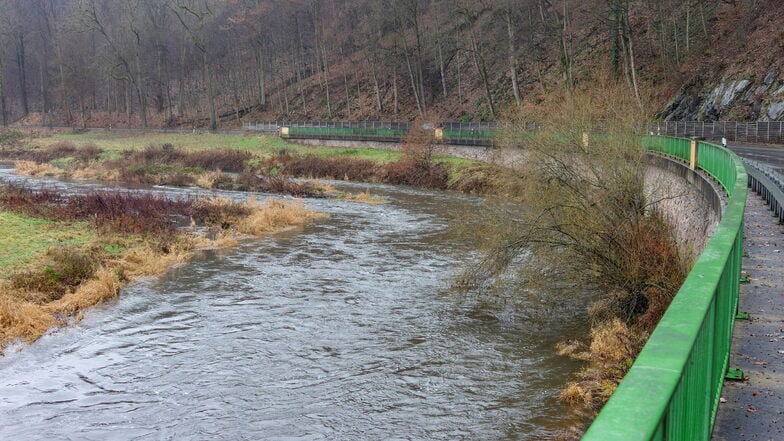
(346, 131)
(449, 136)
(673, 388)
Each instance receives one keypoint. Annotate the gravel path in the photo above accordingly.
(753, 409)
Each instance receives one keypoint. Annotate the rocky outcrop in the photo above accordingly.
(742, 99)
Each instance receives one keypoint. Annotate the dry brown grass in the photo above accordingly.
(104, 285)
(30, 168)
(274, 215)
(27, 314)
(365, 198)
(221, 240)
(613, 348)
(23, 316)
(22, 320)
(208, 179)
(147, 261)
(95, 172)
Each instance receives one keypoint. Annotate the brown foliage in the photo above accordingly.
(62, 269)
(416, 171)
(326, 168)
(63, 149)
(227, 160)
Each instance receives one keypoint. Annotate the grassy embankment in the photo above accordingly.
(261, 163)
(62, 254)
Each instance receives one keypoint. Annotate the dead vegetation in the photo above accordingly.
(141, 235)
(589, 232)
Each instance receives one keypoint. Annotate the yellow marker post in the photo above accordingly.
(693, 155)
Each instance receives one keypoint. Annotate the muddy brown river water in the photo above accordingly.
(343, 330)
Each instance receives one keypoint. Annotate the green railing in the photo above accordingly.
(346, 131)
(672, 390)
(449, 136)
(469, 134)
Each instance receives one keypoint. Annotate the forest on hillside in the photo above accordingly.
(210, 63)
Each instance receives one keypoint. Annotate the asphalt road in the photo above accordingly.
(772, 155)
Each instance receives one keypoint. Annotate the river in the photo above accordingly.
(342, 330)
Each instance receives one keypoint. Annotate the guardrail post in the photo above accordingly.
(585, 140)
(693, 154)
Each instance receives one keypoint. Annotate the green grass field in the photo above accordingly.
(23, 238)
(262, 145)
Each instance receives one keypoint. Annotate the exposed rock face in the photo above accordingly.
(739, 99)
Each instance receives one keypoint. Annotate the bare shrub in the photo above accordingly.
(329, 168)
(227, 160)
(589, 231)
(62, 269)
(418, 171)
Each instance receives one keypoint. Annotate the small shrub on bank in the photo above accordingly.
(228, 160)
(11, 138)
(252, 182)
(122, 212)
(58, 151)
(62, 269)
(417, 171)
(327, 168)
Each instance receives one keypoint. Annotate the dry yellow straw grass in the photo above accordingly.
(208, 179)
(27, 320)
(30, 168)
(274, 215)
(365, 198)
(104, 285)
(22, 320)
(95, 172)
(145, 261)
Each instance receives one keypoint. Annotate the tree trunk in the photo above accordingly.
(419, 58)
(394, 87)
(412, 76)
(3, 109)
(210, 92)
(128, 103)
(43, 80)
(512, 55)
(345, 85)
(63, 89)
(632, 67)
(480, 66)
(376, 88)
(326, 79)
(260, 65)
(20, 63)
(441, 68)
(459, 81)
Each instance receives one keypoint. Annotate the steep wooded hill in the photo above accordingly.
(220, 62)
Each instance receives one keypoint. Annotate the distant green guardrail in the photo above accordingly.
(673, 388)
(469, 134)
(368, 133)
(346, 131)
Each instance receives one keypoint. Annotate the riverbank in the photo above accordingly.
(65, 253)
(243, 162)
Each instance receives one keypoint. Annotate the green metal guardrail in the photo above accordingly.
(345, 131)
(450, 136)
(672, 390)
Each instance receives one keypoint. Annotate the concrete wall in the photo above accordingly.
(689, 201)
